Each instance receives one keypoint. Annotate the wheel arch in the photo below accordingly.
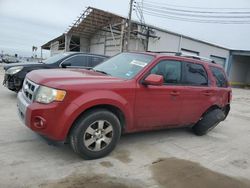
(110, 107)
(213, 107)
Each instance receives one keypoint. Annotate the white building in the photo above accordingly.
(100, 32)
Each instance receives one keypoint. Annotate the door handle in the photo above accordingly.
(175, 93)
(207, 93)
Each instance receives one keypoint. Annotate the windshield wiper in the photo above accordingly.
(103, 72)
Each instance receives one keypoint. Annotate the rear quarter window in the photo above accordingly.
(96, 60)
(219, 76)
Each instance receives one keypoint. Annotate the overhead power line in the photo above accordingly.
(231, 17)
(195, 7)
(195, 15)
(196, 20)
(193, 11)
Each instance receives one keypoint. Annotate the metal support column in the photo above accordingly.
(122, 35)
(229, 64)
(67, 42)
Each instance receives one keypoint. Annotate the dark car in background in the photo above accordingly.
(16, 72)
(9, 60)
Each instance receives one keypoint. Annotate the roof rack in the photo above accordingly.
(186, 55)
(166, 52)
(195, 57)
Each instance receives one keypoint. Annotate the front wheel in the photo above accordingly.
(95, 134)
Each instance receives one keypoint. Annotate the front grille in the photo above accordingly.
(29, 89)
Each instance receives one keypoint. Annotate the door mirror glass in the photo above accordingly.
(153, 79)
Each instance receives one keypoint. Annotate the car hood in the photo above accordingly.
(62, 78)
(26, 64)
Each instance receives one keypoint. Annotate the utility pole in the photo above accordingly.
(41, 53)
(129, 23)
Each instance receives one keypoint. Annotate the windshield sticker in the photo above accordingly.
(138, 63)
(129, 73)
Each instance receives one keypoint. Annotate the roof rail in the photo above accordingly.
(195, 57)
(166, 52)
(185, 55)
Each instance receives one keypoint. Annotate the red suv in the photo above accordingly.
(129, 92)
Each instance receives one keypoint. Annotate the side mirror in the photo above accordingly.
(153, 79)
(65, 65)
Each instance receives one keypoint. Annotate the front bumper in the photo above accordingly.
(50, 120)
(22, 106)
(12, 82)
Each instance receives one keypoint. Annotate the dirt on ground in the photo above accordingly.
(122, 156)
(168, 172)
(178, 173)
(92, 181)
(106, 164)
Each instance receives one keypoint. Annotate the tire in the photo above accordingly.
(209, 121)
(95, 134)
(226, 111)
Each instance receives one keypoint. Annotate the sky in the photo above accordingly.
(27, 23)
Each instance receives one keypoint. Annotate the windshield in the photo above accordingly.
(55, 58)
(124, 65)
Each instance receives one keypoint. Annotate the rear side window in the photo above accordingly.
(170, 70)
(194, 74)
(78, 61)
(219, 76)
(96, 60)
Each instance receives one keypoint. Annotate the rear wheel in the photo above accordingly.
(209, 121)
(95, 134)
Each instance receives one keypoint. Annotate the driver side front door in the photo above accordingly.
(160, 106)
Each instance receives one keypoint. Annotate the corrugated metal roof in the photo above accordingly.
(93, 20)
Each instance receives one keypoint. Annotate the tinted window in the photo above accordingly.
(220, 78)
(170, 70)
(96, 60)
(55, 58)
(78, 60)
(194, 74)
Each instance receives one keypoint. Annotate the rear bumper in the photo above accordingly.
(49, 120)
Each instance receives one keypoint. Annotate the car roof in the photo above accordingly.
(85, 53)
(180, 58)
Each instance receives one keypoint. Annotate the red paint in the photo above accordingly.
(153, 79)
(145, 107)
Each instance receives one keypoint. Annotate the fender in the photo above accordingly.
(213, 102)
(95, 98)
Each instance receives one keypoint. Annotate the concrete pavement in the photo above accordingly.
(168, 158)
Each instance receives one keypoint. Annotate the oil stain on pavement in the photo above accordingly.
(166, 173)
(178, 173)
(92, 181)
(122, 155)
(106, 164)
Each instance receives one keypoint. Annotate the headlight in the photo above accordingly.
(14, 70)
(47, 95)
